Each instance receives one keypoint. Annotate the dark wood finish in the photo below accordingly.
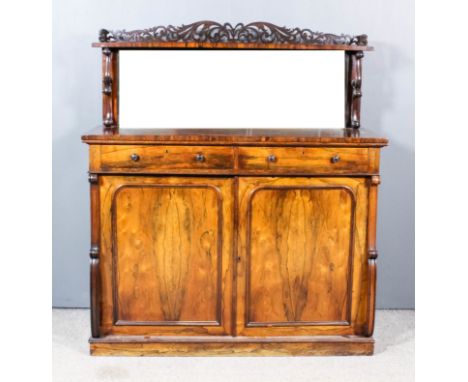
(353, 90)
(211, 34)
(225, 45)
(95, 272)
(121, 45)
(110, 88)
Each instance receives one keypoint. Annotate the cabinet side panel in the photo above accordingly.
(372, 254)
(95, 271)
(360, 267)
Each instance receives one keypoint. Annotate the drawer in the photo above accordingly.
(303, 160)
(166, 159)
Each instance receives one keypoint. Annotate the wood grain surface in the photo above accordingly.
(161, 159)
(374, 182)
(234, 160)
(232, 241)
(253, 258)
(303, 256)
(238, 137)
(306, 346)
(305, 159)
(166, 254)
(299, 254)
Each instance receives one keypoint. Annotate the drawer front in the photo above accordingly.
(166, 159)
(303, 160)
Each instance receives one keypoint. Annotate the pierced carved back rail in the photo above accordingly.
(214, 35)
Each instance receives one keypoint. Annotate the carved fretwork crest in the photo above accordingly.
(209, 31)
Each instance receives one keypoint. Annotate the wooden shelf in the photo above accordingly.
(224, 45)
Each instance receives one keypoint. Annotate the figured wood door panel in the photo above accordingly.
(302, 248)
(167, 255)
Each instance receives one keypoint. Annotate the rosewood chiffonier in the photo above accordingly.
(232, 241)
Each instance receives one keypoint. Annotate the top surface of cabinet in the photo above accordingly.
(273, 137)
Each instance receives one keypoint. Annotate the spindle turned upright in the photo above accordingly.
(232, 241)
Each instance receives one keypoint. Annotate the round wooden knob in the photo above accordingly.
(135, 157)
(335, 158)
(200, 158)
(271, 158)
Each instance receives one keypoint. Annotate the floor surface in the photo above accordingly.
(393, 359)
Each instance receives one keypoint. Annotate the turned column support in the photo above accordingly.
(110, 77)
(353, 91)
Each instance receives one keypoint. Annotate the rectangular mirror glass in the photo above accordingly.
(231, 88)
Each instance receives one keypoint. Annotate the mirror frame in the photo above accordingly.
(213, 35)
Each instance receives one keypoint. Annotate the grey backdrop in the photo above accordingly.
(388, 108)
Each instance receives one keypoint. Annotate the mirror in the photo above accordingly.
(231, 88)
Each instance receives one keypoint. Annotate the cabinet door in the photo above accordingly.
(166, 255)
(302, 256)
